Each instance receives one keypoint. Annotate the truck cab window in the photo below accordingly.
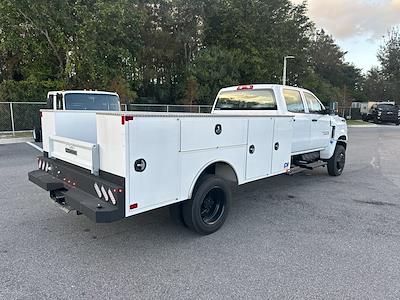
(314, 106)
(85, 101)
(247, 100)
(294, 103)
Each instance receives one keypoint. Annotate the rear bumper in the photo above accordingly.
(389, 118)
(96, 209)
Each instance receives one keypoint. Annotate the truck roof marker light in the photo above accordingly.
(133, 206)
(125, 119)
(245, 87)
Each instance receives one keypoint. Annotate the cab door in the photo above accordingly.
(320, 122)
(302, 123)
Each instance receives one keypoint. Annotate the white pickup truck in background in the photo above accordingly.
(113, 165)
(79, 100)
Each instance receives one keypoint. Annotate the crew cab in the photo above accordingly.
(78, 100)
(113, 165)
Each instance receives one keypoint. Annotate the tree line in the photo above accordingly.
(178, 51)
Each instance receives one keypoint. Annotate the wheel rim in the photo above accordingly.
(213, 206)
(341, 161)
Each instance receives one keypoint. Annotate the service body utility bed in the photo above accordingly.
(112, 165)
(173, 148)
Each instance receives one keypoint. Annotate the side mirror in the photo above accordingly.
(329, 111)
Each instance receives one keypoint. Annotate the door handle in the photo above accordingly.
(315, 120)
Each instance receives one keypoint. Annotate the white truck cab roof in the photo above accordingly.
(81, 92)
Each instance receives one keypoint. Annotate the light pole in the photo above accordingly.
(285, 67)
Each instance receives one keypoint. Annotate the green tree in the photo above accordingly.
(389, 57)
(333, 75)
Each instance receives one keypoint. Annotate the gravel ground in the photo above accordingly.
(308, 236)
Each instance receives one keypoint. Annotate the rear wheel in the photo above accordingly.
(337, 162)
(376, 120)
(37, 134)
(206, 212)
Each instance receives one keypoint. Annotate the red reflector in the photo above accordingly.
(125, 119)
(245, 87)
(133, 206)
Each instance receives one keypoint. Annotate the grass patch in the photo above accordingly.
(24, 134)
(357, 122)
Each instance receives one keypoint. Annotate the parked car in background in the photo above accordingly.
(383, 112)
(78, 100)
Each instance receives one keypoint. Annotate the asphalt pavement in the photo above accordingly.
(309, 236)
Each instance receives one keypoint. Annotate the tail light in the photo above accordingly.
(112, 198)
(97, 189)
(104, 192)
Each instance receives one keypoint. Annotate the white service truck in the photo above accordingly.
(113, 165)
(78, 100)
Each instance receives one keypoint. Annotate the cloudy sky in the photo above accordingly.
(357, 25)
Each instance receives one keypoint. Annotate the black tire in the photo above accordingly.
(208, 209)
(176, 214)
(398, 123)
(376, 120)
(337, 162)
(37, 134)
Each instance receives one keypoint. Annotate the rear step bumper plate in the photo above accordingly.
(96, 210)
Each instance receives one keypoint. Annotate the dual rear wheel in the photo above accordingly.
(208, 208)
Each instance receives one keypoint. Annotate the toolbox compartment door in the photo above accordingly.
(154, 143)
(208, 133)
(282, 145)
(259, 152)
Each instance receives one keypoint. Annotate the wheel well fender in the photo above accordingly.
(342, 141)
(222, 169)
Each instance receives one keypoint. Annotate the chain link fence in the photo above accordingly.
(5, 117)
(24, 116)
(19, 116)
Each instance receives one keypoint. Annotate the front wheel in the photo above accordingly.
(37, 134)
(337, 162)
(207, 211)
